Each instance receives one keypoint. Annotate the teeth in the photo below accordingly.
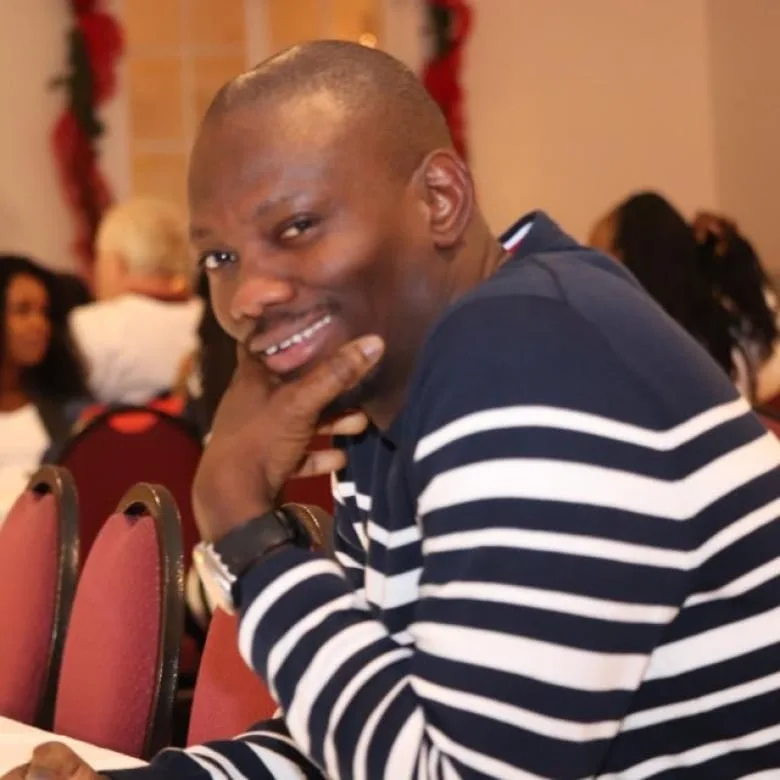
(299, 337)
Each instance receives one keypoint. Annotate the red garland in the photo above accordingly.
(95, 45)
(451, 21)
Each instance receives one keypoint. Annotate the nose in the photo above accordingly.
(256, 292)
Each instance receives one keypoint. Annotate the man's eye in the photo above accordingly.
(211, 261)
(296, 228)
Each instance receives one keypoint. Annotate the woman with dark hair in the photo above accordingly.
(42, 380)
(713, 287)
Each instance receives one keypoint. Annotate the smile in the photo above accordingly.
(298, 338)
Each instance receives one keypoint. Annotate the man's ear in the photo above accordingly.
(449, 194)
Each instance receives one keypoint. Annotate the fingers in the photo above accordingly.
(350, 425)
(20, 773)
(322, 462)
(55, 761)
(341, 372)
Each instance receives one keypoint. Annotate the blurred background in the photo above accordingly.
(569, 105)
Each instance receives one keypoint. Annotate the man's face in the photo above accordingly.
(309, 240)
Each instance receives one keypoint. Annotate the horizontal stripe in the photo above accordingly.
(578, 422)
(727, 641)
(405, 750)
(346, 561)
(697, 755)
(360, 769)
(394, 591)
(581, 483)
(393, 539)
(290, 639)
(740, 529)
(227, 768)
(537, 598)
(479, 762)
(707, 703)
(739, 586)
(327, 660)
(567, 667)
(270, 595)
(348, 694)
(517, 717)
(563, 544)
(278, 767)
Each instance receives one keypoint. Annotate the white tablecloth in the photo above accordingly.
(17, 742)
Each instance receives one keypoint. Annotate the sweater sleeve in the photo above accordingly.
(545, 585)
(265, 752)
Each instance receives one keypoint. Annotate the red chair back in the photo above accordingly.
(315, 491)
(229, 696)
(771, 422)
(123, 447)
(39, 564)
(120, 665)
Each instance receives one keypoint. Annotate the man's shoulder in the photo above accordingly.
(571, 329)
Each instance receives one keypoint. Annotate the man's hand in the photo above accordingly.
(53, 761)
(261, 435)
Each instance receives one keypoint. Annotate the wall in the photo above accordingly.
(33, 216)
(178, 56)
(572, 105)
(745, 62)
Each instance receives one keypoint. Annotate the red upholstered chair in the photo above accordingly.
(314, 491)
(122, 447)
(770, 419)
(39, 553)
(120, 665)
(229, 696)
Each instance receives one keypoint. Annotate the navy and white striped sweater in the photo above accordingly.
(561, 561)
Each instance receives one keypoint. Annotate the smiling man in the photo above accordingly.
(556, 539)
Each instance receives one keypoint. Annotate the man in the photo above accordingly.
(556, 541)
(143, 325)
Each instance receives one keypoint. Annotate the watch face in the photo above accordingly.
(214, 576)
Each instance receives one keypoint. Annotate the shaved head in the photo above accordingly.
(370, 90)
(327, 202)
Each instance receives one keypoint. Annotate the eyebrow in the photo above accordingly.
(198, 233)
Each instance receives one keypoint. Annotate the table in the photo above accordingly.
(17, 742)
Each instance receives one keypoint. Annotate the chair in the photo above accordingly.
(229, 696)
(770, 419)
(313, 491)
(39, 553)
(120, 664)
(127, 445)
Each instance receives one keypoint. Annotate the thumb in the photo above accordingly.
(55, 761)
(336, 375)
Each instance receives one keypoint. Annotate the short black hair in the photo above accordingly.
(369, 84)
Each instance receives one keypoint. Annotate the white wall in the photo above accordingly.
(745, 66)
(33, 216)
(572, 105)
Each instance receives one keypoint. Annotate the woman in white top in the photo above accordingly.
(704, 276)
(42, 381)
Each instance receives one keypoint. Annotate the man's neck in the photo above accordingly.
(480, 258)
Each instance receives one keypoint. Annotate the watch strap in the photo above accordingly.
(243, 547)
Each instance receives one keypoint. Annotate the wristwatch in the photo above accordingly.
(221, 564)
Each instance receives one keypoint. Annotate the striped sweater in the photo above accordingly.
(561, 560)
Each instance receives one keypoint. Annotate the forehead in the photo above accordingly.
(312, 143)
(25, 286)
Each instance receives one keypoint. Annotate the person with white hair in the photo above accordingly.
(144, 321)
